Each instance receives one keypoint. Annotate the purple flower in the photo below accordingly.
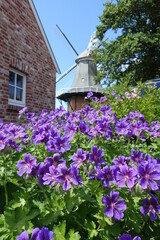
(70, 130)
(96, 156)
(149, 172)
(152, 206)
(122, 127)
(95, 99)
(122, 160)
(127, 176)
(93, 174)
(136, 115)
(113, 93)
(103, 99)
(2, 141)
(61, 144)
(1, 123)
(50, 178)
(56, 160)
(106, 175)
(83, 127)
(94, 131)
(79, 158)
(136, 128)
(23, 110)
(105, 129)
(23, 236)
(43, 234)
(40, 170)
(13, 144)
(60, 111)
(89, 94)
(114, 207)
(137, 157)
(68, 177)
(128, 237)
(27, 165)
(106, 110)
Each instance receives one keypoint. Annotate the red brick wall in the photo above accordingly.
(22, 47)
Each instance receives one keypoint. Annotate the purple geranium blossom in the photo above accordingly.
(60, 111)
(61, 144)
(89, 94)
(79, 158)
(104, 128)
(103, 99)
(27, 165)
(122, 127)
(96, 156)
(93, 131)
(40, 170)
(154, 129)
(43, 234)
(149, 172)
(114, 207)
(93, 173)
(122, 160)
(83, 127)
(23, 110)
(1, 123)
(50, 178)
(106, 110)
(128, 237)
(136, 115)
(106, 175)
(136, 128)
(70, 130)
(137, 157)
(152, 206)
(68, 177)
(13, 144)
(3, 141)
(56, 160)
(23, 236)
(127, 176)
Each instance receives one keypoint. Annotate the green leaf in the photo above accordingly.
(59, 231)
(72, 235)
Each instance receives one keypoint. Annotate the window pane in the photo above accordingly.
(19, 94)
(11, 92)
(11, 78)
(19, 81)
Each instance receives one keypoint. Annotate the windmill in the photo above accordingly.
(84, 78)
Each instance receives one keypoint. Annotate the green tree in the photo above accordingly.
(135, 53)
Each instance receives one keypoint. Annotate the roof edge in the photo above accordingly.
(44, 35)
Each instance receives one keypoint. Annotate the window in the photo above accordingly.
(17, 88)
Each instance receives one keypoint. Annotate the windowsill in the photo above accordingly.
(14, 103)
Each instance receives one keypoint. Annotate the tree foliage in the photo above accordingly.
(134, 55)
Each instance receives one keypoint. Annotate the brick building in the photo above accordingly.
(27, 64)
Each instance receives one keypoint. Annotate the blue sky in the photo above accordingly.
(78, 20)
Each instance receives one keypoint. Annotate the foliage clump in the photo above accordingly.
(134, 54)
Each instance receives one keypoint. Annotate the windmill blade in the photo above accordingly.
(65, 73)
(68, 40)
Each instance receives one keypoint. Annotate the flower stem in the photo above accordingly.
(6, 193)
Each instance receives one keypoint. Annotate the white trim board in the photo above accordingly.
(44, 36)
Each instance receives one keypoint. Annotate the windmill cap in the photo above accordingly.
(85, 55)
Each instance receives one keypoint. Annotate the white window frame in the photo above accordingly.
(14, 101)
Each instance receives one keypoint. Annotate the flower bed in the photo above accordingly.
(80, 175)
